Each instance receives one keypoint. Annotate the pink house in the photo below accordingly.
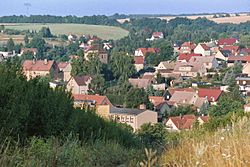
(79, 84)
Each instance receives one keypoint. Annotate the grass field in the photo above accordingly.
(233, 19)
(104, 32)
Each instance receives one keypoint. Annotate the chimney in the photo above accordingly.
(45, 61)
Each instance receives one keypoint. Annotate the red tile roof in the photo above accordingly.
(81, 80)
(139, 59)
(186, 56)
(149, 50)
(239, 58)
(211, 94)
(227, 41)
(62, 65)
(157, 34)
(39, 65)
(204, 46)
(231, 48)
(99, 100)
(183, 122)
(156, 100)
(191, 45)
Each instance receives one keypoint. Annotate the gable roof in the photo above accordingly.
(201, 59)
(81, 80)
(148, 50)
(226, 53)
(227, 41)
(38, 65)
(168, 64)
(187, 57)
(239, 58)
(62, 65)
(190, 45)
(139, 59)
(99, 100)
(204, 46)
(139, 82)
(126, 111)
(172, 90)
(183, 122)
(231, 48)
(211, 94)
(156, 100)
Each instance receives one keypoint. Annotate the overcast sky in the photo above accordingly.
(109, 7)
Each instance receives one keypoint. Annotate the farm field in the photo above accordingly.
(233, 19)
(104, 32)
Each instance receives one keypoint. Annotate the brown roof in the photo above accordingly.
(34, 50)
(183, 122)
(156, 100)
(99, 100)
(139, 60)
(39, 65)
(227, 41)
(204, 46)
(62, 65)
(140, 83)
(81, 80)
(191, 45)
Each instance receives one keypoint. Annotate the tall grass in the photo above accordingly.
(229, 147)
(52, 152)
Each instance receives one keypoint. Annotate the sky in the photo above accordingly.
(109, 7)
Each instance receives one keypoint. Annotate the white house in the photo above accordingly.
(202, 49)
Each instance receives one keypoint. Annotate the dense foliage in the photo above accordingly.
(96, 20)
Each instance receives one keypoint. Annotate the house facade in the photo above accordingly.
(133, 117)
(40, 68)
(202, 49)
(79, 84)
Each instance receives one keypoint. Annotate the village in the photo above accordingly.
(191, 80)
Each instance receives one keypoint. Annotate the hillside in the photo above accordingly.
(226, 148)
(104, 32)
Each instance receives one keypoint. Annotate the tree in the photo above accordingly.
(245, 40)
(122, 65)
(10, 45)
(39, 43)
(153, 135)
(136, 97)
(97, 85)
(26, 40)
(45, 32)
(2, 28)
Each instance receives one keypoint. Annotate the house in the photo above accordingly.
(79, 84)
(100, 104)
(227, 41)
(212, 95)
(185, 57)
(209, 62)
(97, 50)
(43, 68)
(133, 117)
(107, 46)
(34, 51)
(202, 49)
(72, 37)
(187, 47)
(244, 84)
(161, 106)
(93, 40)
(166, 65)
(235, 50)
(188, 70)
(65, 70)
(223, 55)
(156, 36)
(244, 52)
(6, 55)
(243, 59)
(247, 108)
(246, 69)
(169, 93)
(144, 51)
(183, 98)
(140, 83)
(139, 62)
(184, 122)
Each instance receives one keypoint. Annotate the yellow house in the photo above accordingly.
(35, 68)
(133, 117)
(100, 104)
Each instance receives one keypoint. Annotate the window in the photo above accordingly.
(131, 119)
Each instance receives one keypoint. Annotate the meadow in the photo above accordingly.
(104, 32)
